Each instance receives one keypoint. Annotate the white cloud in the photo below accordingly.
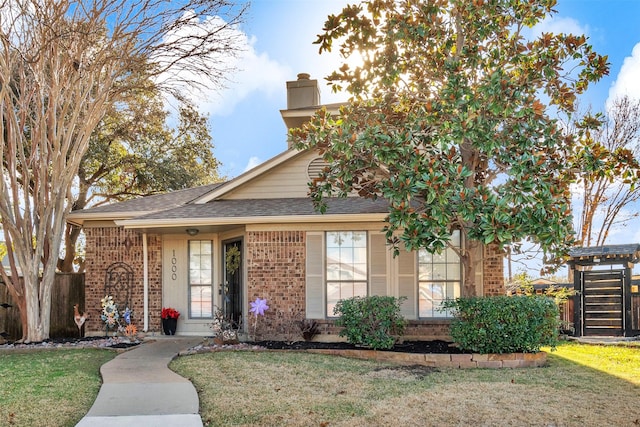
(253, 162)
(559, 25)
(257, 72)
(627, 81)
(247, 73)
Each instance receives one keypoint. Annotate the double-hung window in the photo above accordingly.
(200, 279)
(346, 266)
(439, 278)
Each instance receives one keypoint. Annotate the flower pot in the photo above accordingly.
(169, 326)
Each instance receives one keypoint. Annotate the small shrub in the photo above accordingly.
(373, 321)
(309, 329)
(292, 326)
(504, 324)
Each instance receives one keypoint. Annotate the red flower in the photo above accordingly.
(170, 313)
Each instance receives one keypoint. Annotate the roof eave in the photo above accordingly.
(80, 218)
(279, 219)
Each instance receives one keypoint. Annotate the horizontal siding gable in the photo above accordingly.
(289, 179)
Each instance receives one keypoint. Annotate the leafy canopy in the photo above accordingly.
(450, 120)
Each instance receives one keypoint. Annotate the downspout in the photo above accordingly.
(145, 281)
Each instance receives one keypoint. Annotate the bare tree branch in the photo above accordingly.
(63, 64)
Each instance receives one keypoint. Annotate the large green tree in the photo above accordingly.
(135, 152)
(63, 65)
(451, 120)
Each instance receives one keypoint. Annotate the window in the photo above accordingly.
(200, 279)
(346, 266)
(439, 277)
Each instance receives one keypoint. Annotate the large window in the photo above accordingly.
(346, 266)
(439, 278)
(200, 279)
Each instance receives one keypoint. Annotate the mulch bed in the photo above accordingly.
(85, 342)
(435, 346)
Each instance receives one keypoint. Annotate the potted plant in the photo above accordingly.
(169, 320)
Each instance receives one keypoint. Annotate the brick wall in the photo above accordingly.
(107, 246)
(493, 271)
(276, 271)
(436, 329)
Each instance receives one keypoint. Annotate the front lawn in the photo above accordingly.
(299, 389)
(583, 385)
(49, 387)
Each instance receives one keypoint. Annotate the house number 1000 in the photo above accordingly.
(174, 266)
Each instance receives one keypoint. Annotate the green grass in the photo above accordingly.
(617, 360)
(583, 385)
(299, 389)
(49, 388)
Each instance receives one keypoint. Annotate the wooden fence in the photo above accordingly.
(68, 289)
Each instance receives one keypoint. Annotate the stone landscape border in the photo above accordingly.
(436, 360)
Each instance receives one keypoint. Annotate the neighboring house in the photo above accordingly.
(258, 235)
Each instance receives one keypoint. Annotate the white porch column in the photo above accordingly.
(145, 281)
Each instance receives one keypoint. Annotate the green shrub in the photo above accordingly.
(504, 324)
(373, 321)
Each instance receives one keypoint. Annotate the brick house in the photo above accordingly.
(258, 235)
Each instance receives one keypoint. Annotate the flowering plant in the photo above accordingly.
(169, 313)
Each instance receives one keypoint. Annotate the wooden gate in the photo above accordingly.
(607, 303)
(635, 309)
(602, 295)
(68, 289)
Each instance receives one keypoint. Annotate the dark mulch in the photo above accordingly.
(436, 346)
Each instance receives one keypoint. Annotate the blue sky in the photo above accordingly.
(245, 119)
(246, 124)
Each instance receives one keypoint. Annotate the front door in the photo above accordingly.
(232, 287)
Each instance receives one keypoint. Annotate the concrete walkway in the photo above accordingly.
(139, 389)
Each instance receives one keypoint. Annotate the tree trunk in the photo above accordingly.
(71, 235)
(35, 332)
(472, 264)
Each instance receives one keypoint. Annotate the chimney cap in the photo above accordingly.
(304, 76)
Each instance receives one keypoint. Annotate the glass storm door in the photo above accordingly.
(232, 287)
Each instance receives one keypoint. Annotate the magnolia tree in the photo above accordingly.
(63, 64)
(451, 120)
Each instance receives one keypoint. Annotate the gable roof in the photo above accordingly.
(248, 176)
(141, 205)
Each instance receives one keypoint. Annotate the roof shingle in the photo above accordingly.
(269, 207)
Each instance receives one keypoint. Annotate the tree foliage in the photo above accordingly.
(135, 152)
(607, 192)
(451, 121)
(63, 65)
